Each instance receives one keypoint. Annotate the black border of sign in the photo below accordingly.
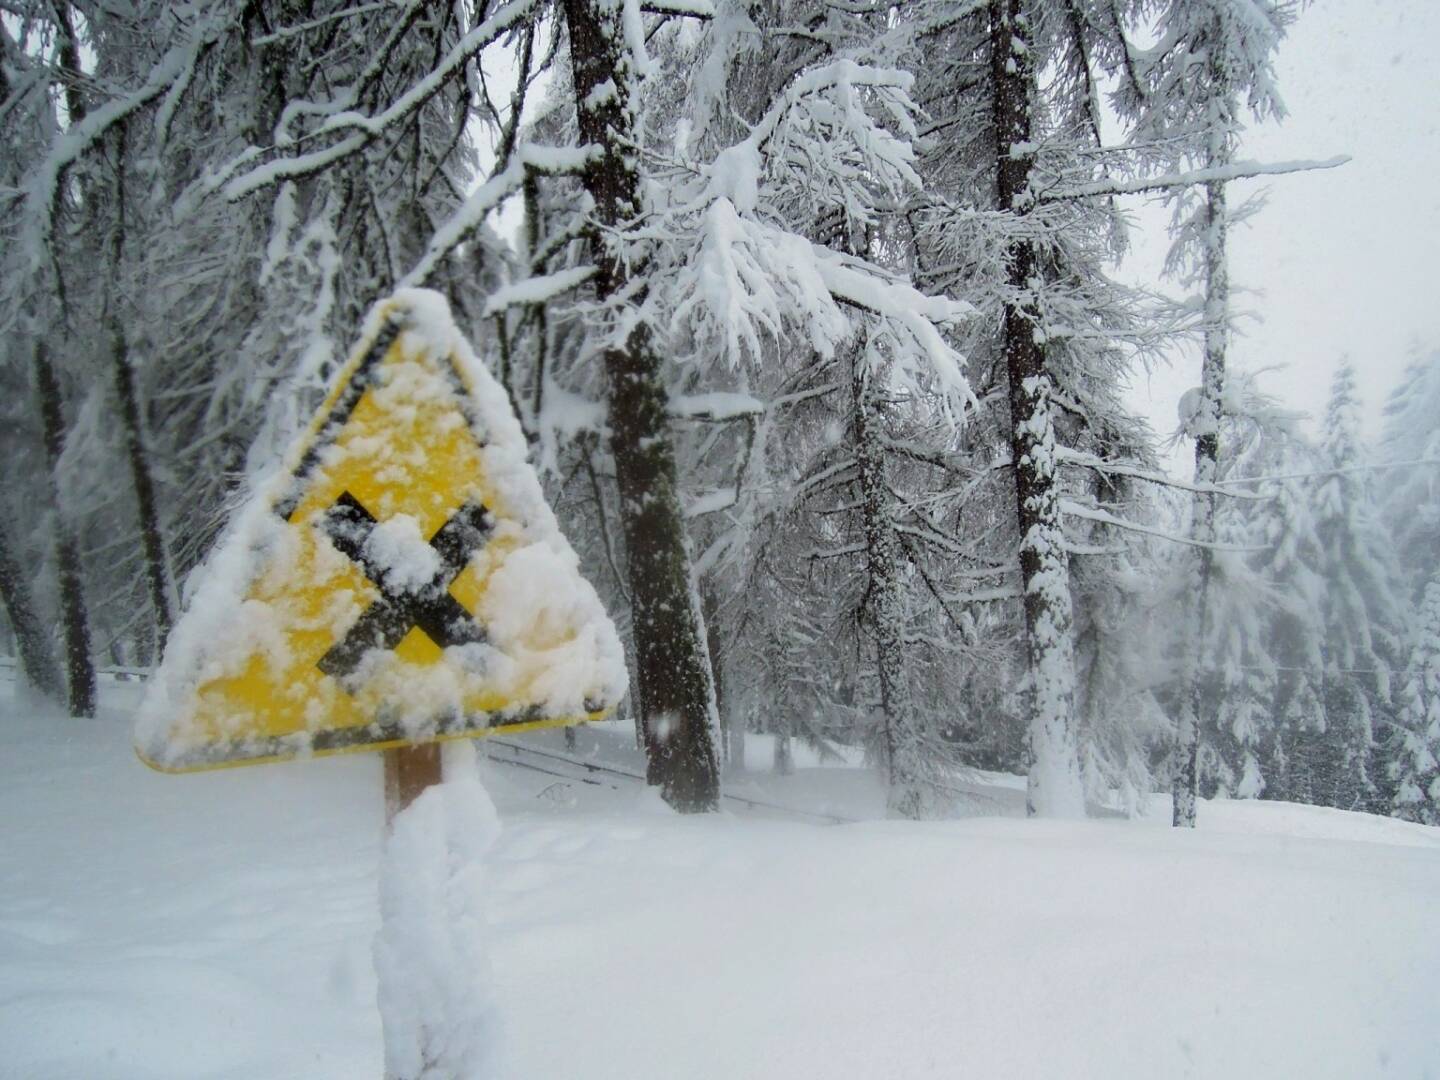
(340, 414)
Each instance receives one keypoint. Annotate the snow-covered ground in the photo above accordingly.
(220, 926)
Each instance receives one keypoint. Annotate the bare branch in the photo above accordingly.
(1238, 170)
(689, 9)
(1090, 513)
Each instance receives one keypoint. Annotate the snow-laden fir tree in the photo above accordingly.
(1054, 782)
(46, 120)
(1265, 631)
(249, 176)
(137, 295)
(1409, 494)
(721, 243)
(675, 683)
(1415, 764)
(1015, 219)
(1364, 623)
(1183, 99)
(1292, 658)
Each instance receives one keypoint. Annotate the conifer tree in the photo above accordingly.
(737, 279)
(1016, 220)
(1415, 767)
(1363, 621)
(1185, 99)
(1054, 789)
(1292, 659)
(37, 665)
(1409, 494)
(1264, 641)
(675, 682)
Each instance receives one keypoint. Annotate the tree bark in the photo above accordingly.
(37, 662)
(672, 668)
(76, 618)
(1054, 782)
(157, 573)
(883, 557)
(141, 479)
(710, 607)
(782, 760)
(67, 52)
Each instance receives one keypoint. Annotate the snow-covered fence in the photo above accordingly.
(9, 665)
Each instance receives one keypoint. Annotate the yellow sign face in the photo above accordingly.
(407, 583)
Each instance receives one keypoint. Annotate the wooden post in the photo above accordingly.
(409, 770)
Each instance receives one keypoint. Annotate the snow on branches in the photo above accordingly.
(738, 271)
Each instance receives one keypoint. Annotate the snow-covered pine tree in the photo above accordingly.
(320, 157)
(1409, 495)
(44, 122)
(1290, 590)
(1264, 636)
(1054, 788)
(1184, 99)
(1415, 765)
(1060, 311)
(345, 129)
(675, 683)
(866, 483)
(37, 664)
(24, 132)
(1364, 624)
(736, 288)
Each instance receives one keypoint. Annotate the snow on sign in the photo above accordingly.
(401, 580)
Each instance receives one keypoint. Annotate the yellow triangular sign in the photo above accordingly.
(401, 580)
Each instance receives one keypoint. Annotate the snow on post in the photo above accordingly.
(432, 954)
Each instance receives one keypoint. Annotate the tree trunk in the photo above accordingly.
(80, 667)
(76, 619)
(710, 607)
(883, 557)
(37, 662)
(157, 572)
(782, 761)
(67, 51)
(672, 667)
(1206, 428)
(1054, 781)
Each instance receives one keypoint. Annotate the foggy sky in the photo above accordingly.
(1342, 261)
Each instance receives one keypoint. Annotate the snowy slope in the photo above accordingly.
(219, 926)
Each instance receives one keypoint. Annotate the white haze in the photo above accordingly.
(1342, 261)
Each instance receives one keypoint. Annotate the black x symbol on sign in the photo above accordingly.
(430, 606)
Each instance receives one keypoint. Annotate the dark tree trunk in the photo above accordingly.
(151, 535)
(1054, 788)
(672, 667)
(33, 643)
(67, 49)
(156, 566)
(79, 667)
